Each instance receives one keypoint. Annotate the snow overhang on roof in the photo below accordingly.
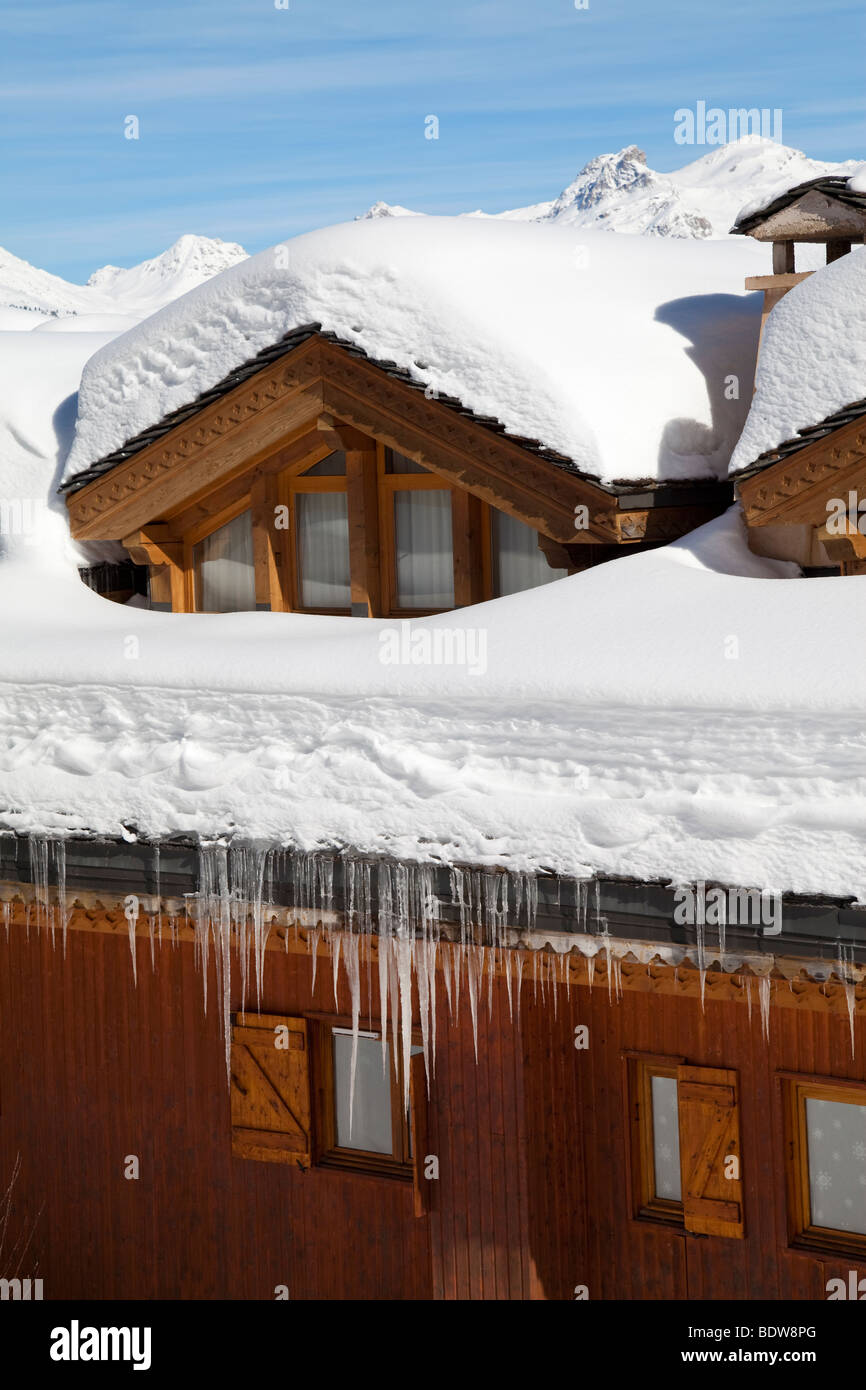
(608, 355)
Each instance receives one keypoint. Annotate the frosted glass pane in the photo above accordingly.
(836, 1135)
(517, 561)
(425, 557)
(223, 564)
(323, 549)
(666, 1138)
(371, 1116)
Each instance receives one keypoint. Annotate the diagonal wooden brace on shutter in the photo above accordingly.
(710, 1159)
(270, 1089)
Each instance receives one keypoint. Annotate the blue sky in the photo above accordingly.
(258, 122)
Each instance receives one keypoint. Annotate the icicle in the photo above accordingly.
(353, 974)
(130, 910)
(764, 987)
(748, 980)
(702, 963)
(590, 970)
(519, 963)
(472, 986)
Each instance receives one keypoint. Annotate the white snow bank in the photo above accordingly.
(40, 374)
(655, 716)
(813, 357)
(613, 350)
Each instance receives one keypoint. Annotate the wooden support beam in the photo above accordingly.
(466, 523)
(268, 558)
(837, 247)
(162, 552)
(365, 571)
(783, 257)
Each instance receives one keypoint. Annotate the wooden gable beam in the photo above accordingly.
(795, 491)
(462, 451)
(225, 438)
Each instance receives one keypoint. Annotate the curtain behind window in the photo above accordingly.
(322, 521)
(517, 561)
(224, 574)
(425, 555)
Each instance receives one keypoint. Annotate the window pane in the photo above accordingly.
(837, 1164)
(334, 466)
(398, 463)
(666, 1138)
(517, 561)
(223, 564)
(425, 559)
(371, 1113)
(323, 549)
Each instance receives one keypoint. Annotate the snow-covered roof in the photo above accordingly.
(846, 190)
(614, 351)
(813, 359)
(662, 715)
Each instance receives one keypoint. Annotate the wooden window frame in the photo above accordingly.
(402, 1163)
(389, 485)
(645, 1205)
(797, 1088)
(293, 484)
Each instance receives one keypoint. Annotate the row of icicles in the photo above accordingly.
(349, 898)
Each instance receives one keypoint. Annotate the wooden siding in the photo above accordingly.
(533, 1194)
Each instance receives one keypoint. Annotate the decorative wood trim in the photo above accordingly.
(289, 931)
(460, 450)
(795, 490)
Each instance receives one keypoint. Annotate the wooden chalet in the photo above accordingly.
(605, 1101)
(787, 493)
(313, 479)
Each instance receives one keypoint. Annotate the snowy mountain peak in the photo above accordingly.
(381, 209)
(187, 263)
(602, 175)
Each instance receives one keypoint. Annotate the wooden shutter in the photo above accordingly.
(270, 1089)
(709, 1139)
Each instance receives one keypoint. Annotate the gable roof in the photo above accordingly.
(831, 185)
(263, 359)
(606, 354)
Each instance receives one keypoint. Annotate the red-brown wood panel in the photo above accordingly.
(532, 1198)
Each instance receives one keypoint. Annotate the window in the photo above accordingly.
(321, 537)
(367, 1130)
(685, 1145)
(363, 530)
(322, 529)
(424, 549)
(223, 568)
(518, 563)
(656, 1141)
(826, 1143)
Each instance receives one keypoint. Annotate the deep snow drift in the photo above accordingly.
(661, 715)
(618, 352)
